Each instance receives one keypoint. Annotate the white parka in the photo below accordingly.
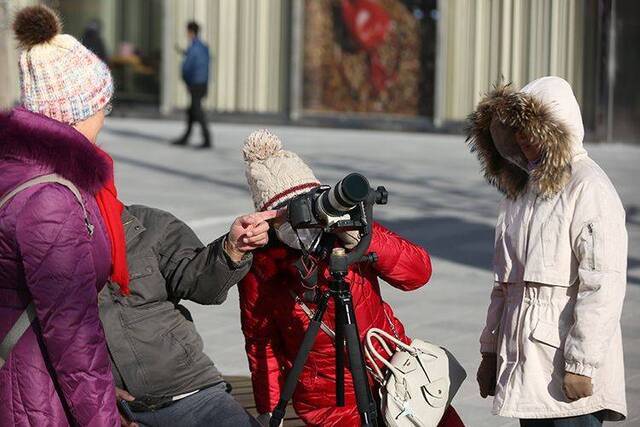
(560, 257)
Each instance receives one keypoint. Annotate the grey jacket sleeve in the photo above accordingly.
(203, 274)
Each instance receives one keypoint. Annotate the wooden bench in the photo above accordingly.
(243, 393)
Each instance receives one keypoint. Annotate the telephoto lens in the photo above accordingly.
(344, 196)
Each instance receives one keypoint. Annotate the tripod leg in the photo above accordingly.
(364, 398)
(339, 355)
(301, 358)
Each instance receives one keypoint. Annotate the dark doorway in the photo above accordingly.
(131, 32)
(625, 126)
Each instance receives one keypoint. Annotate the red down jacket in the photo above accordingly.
(274, 325)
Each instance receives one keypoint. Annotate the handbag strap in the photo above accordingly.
(310, 313)
(16, 331)
(51, 178)
(391, 325)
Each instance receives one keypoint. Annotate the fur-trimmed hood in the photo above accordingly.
(56, 146)
(545, 111)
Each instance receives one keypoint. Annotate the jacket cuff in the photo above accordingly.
(579, 368)
(244, 262)
(233, 265)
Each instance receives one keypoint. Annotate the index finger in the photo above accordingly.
(262, 216)
(273, 214)
(267, 215)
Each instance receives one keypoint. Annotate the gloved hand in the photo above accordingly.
(577, 386)
(486, 375)
(349, 238)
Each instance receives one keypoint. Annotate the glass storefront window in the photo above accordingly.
(365, 56)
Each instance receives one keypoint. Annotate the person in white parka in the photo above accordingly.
(552, 346)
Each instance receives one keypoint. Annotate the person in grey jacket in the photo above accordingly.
(157, 358)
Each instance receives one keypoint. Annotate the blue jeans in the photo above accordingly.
(213, 406)
(589, 420)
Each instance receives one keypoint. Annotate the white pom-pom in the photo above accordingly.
(261, 145)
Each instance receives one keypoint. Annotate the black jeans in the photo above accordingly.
(195, 112)
(213, 406)
(589, 420)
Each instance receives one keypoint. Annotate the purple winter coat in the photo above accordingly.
(46, 254)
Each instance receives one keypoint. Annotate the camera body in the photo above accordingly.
(303, 213)
(337, 209)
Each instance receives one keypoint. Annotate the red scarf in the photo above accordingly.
(111, 211)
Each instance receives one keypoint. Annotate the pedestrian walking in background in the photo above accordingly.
(195, 73)
(92, 40)
(59, 237)
(552, 346)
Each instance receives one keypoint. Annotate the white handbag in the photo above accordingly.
(420, 382)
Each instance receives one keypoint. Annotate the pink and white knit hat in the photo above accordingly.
(59, 77)
(274, 175)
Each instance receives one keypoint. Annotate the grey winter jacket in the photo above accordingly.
(155, 349)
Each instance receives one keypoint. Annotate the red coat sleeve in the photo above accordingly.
(401, 263)
(262, 342)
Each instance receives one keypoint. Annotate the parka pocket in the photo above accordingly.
(593, 246)
(547, 333)
(161, 345)
(552, 327)
(131, 316)
(180, 339)
(146, 281)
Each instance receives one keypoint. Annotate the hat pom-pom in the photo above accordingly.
(34, 25)
(261, 145)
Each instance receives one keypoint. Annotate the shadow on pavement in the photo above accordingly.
(179, 173)
(135, 135)
(450, 238)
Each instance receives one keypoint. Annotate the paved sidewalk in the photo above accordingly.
(437, 198)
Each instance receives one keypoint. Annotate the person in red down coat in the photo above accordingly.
(274, 323)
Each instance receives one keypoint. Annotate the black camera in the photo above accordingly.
(341, 208)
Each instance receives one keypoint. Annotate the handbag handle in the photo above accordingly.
(377, 372)
(377, 355)
(382, 337)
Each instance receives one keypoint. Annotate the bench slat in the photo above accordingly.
(242, 391)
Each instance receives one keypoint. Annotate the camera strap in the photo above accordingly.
(307, 267)
(310, 313)
(307, 264)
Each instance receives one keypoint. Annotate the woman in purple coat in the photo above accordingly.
(55, 252)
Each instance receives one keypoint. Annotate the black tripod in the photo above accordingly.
(346, 328)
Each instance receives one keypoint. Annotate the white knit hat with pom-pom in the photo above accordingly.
(274, 175)
(59, 77)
